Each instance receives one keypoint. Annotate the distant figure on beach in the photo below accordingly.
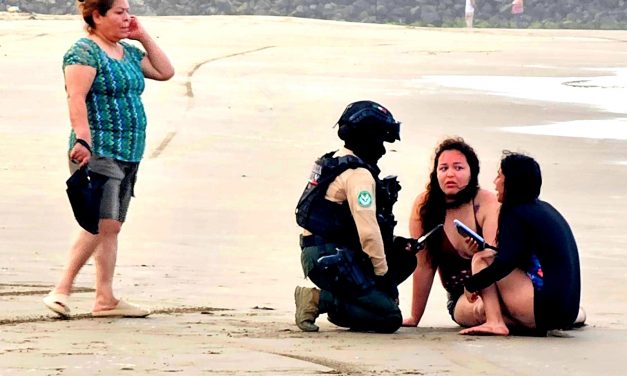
(532, 283)
(517, 7)
(348, 247)
(104, 80)
(470, 13)
(453, 192)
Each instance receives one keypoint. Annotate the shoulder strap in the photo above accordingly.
(348, 162)
(332, 167)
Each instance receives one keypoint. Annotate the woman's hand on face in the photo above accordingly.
(410, 321)
(135, 29)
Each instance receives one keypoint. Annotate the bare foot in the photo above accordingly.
(486, 330)
(104, 306)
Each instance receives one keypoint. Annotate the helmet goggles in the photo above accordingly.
(370, 114)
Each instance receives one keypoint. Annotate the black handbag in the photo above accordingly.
(84, 190)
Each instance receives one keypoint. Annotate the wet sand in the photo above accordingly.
(211, 242)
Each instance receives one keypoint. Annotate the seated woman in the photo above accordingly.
(534, 277)
(452, 193)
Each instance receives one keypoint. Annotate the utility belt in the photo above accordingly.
(351, 268)
(320, 241)
(312, 241)
(348, 268)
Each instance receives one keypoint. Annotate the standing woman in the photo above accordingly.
(470, 12)
(104, 78)
(535, 275)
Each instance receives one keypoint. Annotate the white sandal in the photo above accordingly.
(58, 303)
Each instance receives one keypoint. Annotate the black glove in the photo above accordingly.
(410, 245)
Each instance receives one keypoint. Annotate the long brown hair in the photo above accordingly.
(433, 211)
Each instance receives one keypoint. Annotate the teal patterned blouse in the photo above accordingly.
(114, 108)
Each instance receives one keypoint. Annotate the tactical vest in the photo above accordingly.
(334, 221)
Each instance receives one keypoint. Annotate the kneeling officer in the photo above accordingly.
(346, 214)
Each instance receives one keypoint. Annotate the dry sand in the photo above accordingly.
(211, 242)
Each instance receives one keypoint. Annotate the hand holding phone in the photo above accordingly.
(413, 245)
(467, 232)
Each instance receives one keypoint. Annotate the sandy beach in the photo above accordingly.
(211, 243)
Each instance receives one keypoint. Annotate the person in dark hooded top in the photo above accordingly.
(532, 283)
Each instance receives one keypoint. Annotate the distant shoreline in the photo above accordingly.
(539, 14)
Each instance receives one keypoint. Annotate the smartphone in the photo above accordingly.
(466, 232)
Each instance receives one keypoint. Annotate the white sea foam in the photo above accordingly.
(597, 129)
(605, 93)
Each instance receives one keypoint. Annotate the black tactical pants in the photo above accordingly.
(373, 309)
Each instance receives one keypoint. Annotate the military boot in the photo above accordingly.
(307, 300)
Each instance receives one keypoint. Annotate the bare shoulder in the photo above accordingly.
(487, 204)
(420, 199)
(415, 223)
(485, 197)
(419, 202)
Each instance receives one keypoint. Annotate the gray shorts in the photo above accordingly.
(119, 188)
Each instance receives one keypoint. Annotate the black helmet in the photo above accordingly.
(368, 118)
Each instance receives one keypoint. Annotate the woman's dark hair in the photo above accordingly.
(523, 178)
(87, 8)
(433, 211)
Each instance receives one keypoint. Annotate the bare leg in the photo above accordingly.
(469, 314)
(105, 258)
(494, 324)
(517, 294)
(80, 252)
(469, 20)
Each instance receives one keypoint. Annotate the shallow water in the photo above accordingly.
(605, 93)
